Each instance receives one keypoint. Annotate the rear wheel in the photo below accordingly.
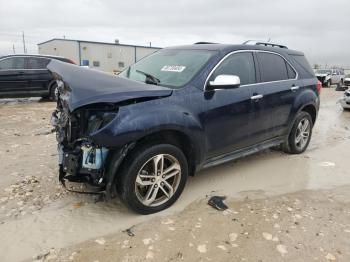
(329, 83)
(54, 92)
(300, 134)
(152, 178)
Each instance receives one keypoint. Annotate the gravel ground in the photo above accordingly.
(308, 193)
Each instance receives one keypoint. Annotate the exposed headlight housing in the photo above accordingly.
(99, 120)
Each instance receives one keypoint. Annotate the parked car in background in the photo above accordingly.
(345, 100)
(347, 80)
(330, 77)
(27, 76)
(177, 111)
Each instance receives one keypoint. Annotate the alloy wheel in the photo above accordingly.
(157, 180)
(302, 133)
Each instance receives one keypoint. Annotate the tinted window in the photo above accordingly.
(12, 63)
(36, 63)
(273, 67)
(301, 60)
(291, 72)
(239, 64)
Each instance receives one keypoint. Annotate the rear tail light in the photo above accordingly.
(319, 87)
(71, 61)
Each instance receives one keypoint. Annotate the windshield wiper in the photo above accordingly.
(150, 79)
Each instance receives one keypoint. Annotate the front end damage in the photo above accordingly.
(80, 158)
(88, 104)
(323, 78)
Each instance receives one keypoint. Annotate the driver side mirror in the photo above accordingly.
(224, 82)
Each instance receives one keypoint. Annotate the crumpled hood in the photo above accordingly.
(84, 86)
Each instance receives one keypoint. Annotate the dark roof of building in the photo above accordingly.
(95, 42)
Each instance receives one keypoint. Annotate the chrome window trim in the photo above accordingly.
(252, 51)
(24, 56)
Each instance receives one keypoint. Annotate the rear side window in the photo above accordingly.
(301, 60)
(273, 67)
(290, 71)
(36, 63)
(12, 63)
(239, 64)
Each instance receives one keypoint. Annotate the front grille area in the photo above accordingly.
(321, 78)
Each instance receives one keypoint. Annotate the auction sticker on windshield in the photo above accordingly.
(173, 68)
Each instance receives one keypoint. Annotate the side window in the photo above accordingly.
(6, 64)
(291, 72)
(273, 67)
(239, 64)
(12, 63)
(36, 63)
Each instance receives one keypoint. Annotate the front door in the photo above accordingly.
(228, 116)
(13, 79)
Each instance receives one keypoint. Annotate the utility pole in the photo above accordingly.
(150, 44)
(24, 43)
(13, 47)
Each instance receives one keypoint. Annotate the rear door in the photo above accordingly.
(274, 96)
(37, 75)
(13, 80)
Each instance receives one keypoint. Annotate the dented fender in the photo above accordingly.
(137, 121)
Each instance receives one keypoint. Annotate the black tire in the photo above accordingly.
(126, 181)
(53, 92)
(290, 146)
(329, 83)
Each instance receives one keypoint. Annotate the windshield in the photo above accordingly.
(169, 67)
(324, 71)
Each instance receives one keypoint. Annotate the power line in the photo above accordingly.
(24, 43)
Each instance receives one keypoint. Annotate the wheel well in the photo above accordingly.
(52, 84)
(312, 111)
(175, 138)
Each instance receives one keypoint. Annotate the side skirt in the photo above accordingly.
(214, 161)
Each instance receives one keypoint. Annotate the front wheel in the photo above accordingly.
(152, 178)
(300, 134)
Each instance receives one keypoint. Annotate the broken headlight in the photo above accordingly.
(99, 120)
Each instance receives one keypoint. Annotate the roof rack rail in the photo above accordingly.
(203, 43)
(257, 42)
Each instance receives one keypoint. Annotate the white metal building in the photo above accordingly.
(107, 57)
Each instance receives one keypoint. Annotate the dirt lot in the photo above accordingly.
(281, 207)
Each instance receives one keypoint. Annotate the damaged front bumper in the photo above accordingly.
(81, 160)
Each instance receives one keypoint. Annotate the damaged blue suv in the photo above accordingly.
(179, 110)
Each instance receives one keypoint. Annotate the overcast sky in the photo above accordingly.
(319, 28)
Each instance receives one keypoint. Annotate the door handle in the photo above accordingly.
(294, 88)
(256, 97)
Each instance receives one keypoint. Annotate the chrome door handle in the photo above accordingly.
(294, 88)
(256, 97)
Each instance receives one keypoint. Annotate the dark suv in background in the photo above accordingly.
(27, 76)
(177, 111)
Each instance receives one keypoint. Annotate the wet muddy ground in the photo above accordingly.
(308, 193)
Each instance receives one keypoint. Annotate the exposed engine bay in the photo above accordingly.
(80, 159)
(87, 102)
